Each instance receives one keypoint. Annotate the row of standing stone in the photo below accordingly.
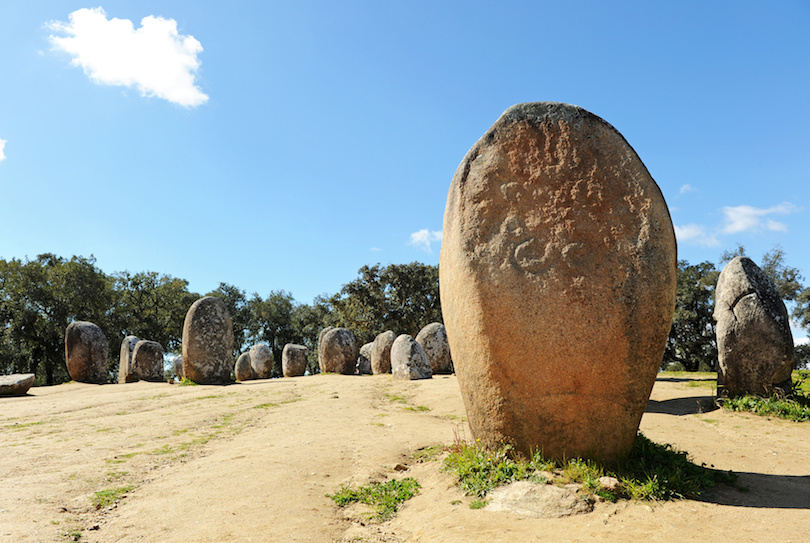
(208, 344)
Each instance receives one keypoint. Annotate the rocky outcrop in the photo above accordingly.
(408, 359)
(16, 384)
(147, 361)
(754, 342)
(261, 359)
(243, 369)
(557, 283)
(381, 352)
(337, 351)
(294, 360)
(433, 339)
(364, 359)
(125, 373)
(208, 342)
(86, 352)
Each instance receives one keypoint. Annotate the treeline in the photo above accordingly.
(692, 344)
(40, 297)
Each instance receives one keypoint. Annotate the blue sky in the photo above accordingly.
(283, 145)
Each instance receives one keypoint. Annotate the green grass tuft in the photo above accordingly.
(650, 472)
(184, 382)
(103, 498)
(385, 498)
(796, 409)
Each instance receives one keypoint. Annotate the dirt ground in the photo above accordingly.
(253, 462)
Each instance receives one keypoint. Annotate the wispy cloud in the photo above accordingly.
(748, 218)
(697, 234)
(375, 249)
(154, 58)
(687, 188)
(2, 150)
(424, 238)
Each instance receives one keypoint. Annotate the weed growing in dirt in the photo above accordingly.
(650, 472)
(185, 382)
(385, 498)
(796, 408)
(103, 498)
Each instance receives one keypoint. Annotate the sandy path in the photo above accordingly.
(253, 462)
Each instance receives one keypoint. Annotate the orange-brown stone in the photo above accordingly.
(557, 280)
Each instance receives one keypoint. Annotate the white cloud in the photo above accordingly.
(696, 233)
(423, 239)
(687, 188)
(743, 218)
(153, 58)
(801, 341)
(2, 150)
(375, 249)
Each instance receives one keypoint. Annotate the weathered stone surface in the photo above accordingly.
(754, 342)
(433, 339)
(16, 384)
(86, 352)
(294, 360)
(557, 281)
(147, 361)
(208, 342)
(261, 358)
(243, 369)
(529, 499)
(337, 351)
(364, 359)
(178, 365)
(381, 352)
(408, 359)
(125, 373)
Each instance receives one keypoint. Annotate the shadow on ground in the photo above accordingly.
(682, 406)
(764, 491)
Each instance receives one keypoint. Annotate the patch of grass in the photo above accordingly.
(478, 504)
(103, 498)
(20, 426)
(395, 398)
(184, 382)
(116, 475)
(178, 432)
(163, 450)
(265, 405)
(796, 408)
(650, 472)
(428, 453)
(385, 498)
(421, 408)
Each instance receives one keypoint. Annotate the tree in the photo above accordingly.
(692, 341)
(38, 299)
(151, 306)
(271, 321)
(237, 303)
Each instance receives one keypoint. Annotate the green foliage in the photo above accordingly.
(650, 472)
(239, 310)
(103, 498)
(692, 342)
(385, 498)
(186, 382)
(795, 407)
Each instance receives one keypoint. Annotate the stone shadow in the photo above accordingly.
(682, 406)
(764, 491)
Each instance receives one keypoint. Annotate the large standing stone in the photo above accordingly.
(261, 358)
(364, 359)
(243, 369)
(208, 342)
(16, 384)
(433, 339)
(86, 352)
(381, 352)
(125, 373)
(294, 360)
(754, 342)
(557, 281)
(147, 360)
(337, 351)
(178, 366)
(409, 360)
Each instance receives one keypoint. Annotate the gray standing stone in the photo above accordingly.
(178, 366)
(433, 339)
(409, 360)
(208, 342)
(364, 359)
(557, 282)
(261, 359)
(86, 352)
(337, 351)
(243, 370)
(16, 384)
(125, 373)
(147, 361)
(294, 360)
(754, 342)
(381, 352)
